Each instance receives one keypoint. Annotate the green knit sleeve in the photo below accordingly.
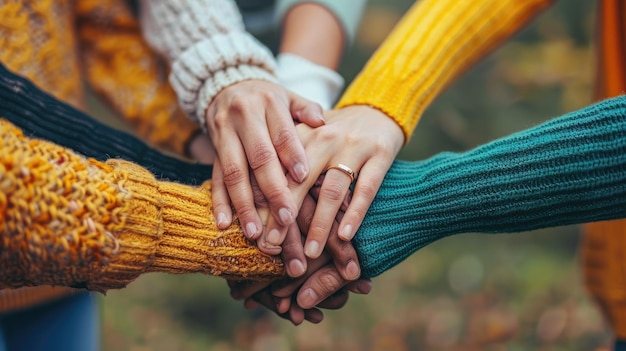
(569, 170)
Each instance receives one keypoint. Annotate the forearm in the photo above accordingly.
(311, 31)
(72, 221)
(434, 43)
(207, 47)
(569, 170)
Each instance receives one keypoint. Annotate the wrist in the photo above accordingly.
(315, 82)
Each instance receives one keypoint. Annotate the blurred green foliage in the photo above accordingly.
(469, 292)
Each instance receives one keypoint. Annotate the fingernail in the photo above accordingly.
(250, 230)
(273, 237)
(296, 267)
(221, 219)
(346, 232)
(308, 298)
(300, 172)
(364, 286)
(285, 216)
(352, 270)
(311, 249)
(320, 116)
(235, 294)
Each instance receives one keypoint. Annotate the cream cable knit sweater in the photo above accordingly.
(207, 46)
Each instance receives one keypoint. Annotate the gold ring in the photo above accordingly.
(345, 169)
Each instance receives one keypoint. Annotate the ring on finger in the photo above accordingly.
(345, 169)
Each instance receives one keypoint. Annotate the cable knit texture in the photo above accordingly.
(566, 171)
(71, 221)
(208, 47)
(434, 43)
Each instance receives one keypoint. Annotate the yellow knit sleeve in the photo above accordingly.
(72, 221)
(432, 45)
(120, 66)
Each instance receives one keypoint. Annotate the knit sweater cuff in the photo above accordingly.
(141, 230)
(169, 228)
(193, 243)
(212, 64)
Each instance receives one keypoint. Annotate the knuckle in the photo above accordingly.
(319, 229)
(367, 189)
(233, 174)
(332, 191)
(283, 138)
(329, 282)
(261, 156)
(239, 104)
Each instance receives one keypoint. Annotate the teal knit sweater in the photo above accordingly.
(569, 170)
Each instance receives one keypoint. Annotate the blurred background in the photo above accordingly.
(468, 292)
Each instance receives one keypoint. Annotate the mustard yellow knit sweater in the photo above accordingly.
(71, 221)
(433, 44)
(61, 45)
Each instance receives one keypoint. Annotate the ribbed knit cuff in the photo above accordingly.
(139, 236)
(192, 242)
(169, 228)
(214, 63)
(569, 170)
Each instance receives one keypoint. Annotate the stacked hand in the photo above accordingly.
(365, 140)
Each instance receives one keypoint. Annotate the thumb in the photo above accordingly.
(305, 111)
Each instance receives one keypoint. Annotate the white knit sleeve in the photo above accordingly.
(207, 46)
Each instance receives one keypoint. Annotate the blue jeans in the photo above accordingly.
(69, 324)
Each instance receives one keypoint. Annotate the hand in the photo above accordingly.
(251, 124)
(364, 139)
(330, 289)
(201, 149)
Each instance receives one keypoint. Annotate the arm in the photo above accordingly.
(569, 170)
(121, 67)
(314, 35)
(434, 42)
(72, 221)
(225, 81)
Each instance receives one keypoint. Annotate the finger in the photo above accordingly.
(344, 256)
(322, 284)
(240, 290)
(235, 175)
(313, 315)
(222, 211)
(265, 164)
(331, 196)
(335, 301)
(305, 111)
(287, 287)
(286, 142)
(360, 286)
(370, 179)
(293, 253)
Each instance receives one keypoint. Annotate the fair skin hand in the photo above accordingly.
(362, 138)
(251, 125)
